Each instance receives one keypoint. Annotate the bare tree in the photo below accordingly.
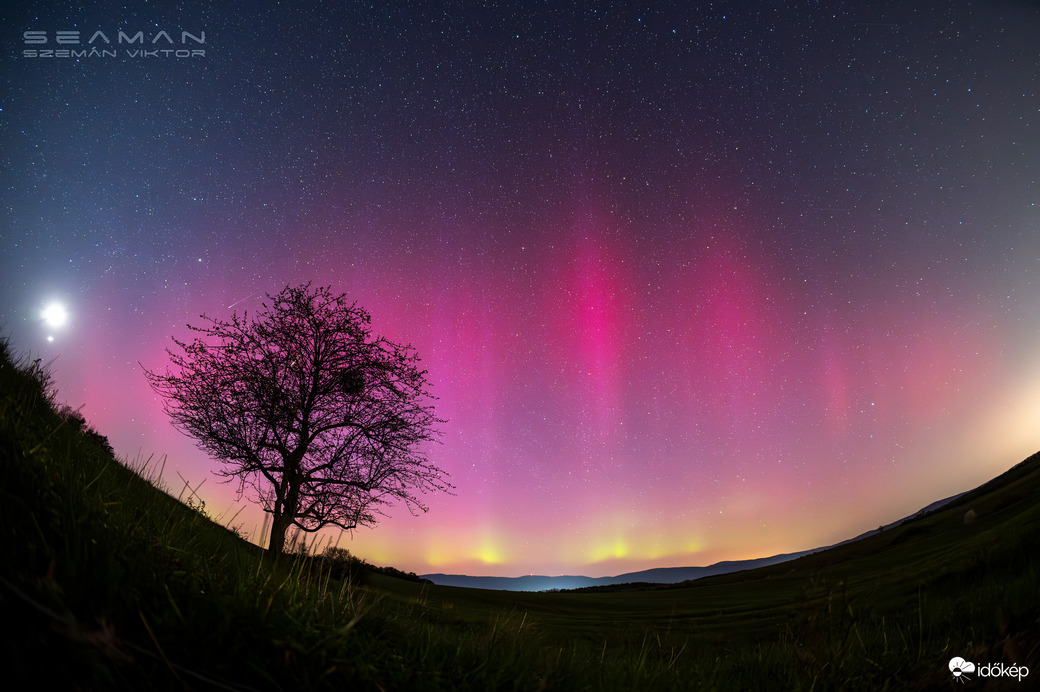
(323, 422)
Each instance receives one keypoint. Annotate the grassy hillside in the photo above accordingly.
(109, 583)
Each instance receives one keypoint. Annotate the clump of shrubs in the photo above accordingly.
(75, 419)
(343, 565)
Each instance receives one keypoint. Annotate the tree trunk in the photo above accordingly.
(280, 523)
(287, 505)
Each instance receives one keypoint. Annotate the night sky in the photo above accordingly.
(691, 283)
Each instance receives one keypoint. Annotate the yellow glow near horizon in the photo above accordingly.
(490, 549)
(437, 556)
(489, 556)
(693, 546)
(1011, 430)
(614, 550)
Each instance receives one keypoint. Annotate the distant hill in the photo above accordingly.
(660, 575)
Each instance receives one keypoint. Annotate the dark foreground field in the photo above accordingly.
(109, 583)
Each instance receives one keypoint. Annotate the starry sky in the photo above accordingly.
(694, 282)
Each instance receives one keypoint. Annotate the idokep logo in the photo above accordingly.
(961, 670)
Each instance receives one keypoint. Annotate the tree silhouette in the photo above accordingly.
(323, 422)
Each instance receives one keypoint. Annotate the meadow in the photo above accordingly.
(109, 581)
